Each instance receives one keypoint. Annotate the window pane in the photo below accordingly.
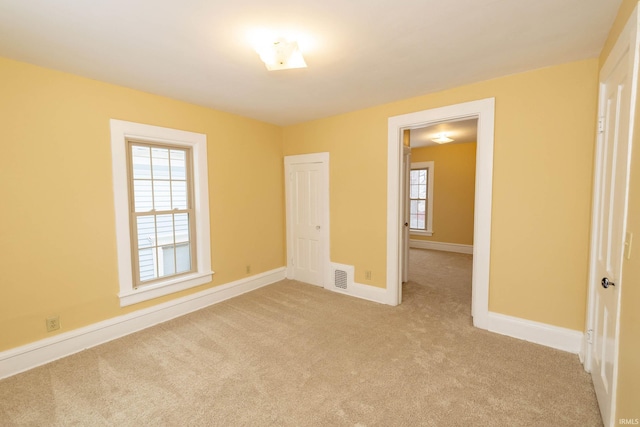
(179, 194)
(178, 164)
(413, 214)
(182, 261)
(183, 258)
(421, 206)
(168, 262)
(182, 227)
(165, 229)
(423, 176)
(141, 159)
(160, 162)
(413, 191)
(143, 200)
(415, 176)
(422, 191)
(162, 195)
(146, 231)
(421, 221)
(146, 261)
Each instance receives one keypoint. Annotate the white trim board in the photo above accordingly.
(354, 289)
(29, 356)
(540, 333)
(365, 292)
(441, 246)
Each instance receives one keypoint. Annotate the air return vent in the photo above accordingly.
(341, 277)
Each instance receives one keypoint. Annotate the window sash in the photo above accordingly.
(139, 210)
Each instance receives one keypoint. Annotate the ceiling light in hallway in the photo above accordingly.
(442, 138)
(281, 55)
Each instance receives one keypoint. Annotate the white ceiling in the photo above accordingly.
(461, 131)
(360, 53)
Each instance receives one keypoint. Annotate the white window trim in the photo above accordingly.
(120, 131)
(430, 172)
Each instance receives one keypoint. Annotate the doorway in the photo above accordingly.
(483, 111)
(440, 190)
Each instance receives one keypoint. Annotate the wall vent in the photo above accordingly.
(341, 277)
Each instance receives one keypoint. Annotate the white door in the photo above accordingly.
(617, 97)
(307, 218)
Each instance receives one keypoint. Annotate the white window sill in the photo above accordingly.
(169, 286)
(427, 233)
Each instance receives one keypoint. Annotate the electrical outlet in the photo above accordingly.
(53, 323)
(367, 275)
(248, 269)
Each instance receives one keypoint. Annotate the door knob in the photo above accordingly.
(606, 283)
(406, 224)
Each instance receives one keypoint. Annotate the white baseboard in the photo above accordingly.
(370, 293)
(440, 246)
(539, 333)
(29, 356)
(358, 290)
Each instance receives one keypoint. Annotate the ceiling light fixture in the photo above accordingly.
(442, 139)
(282, 55)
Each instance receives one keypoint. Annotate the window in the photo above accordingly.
(162, 210)
(421, 198)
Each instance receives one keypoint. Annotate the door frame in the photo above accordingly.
(628, 41)
(406, 173)
(323, 160)
(484, 111)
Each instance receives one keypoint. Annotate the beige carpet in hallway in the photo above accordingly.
(292, 354)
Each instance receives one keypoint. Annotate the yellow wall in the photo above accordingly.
(544, 138)
(453, 191)
(57, 233)
(58, 252)
(628, 393)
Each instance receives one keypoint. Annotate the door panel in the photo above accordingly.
(610, 197)
(308, 227)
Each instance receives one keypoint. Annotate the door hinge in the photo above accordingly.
(601, 124)
(590, 336)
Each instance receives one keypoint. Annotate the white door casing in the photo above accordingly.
(616, 110)
(484, 111)
(307, 212)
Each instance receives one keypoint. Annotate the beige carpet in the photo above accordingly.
(292, 354)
